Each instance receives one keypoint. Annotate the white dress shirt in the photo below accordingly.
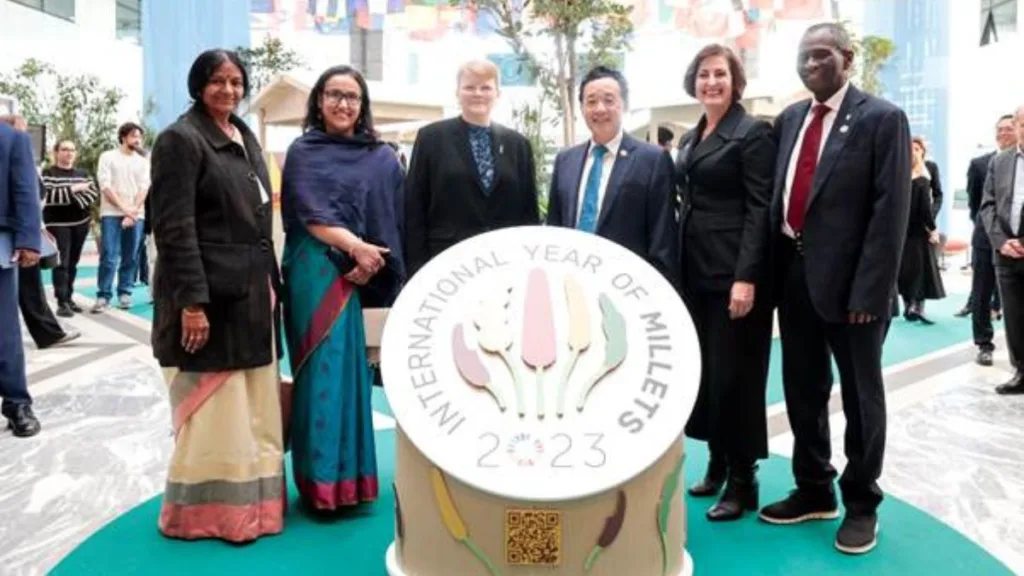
(606, 172)
(1017, 201)
(828, 121)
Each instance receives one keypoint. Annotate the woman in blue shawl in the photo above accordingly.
(341, 190)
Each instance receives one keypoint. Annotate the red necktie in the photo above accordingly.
(806, 163)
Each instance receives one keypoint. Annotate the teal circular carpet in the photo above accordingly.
(910, 541)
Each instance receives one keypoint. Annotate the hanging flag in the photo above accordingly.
(802, 9)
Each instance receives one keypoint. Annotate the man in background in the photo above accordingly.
(983, 303)
(123, 175)
(1002, 212)
(20, 239)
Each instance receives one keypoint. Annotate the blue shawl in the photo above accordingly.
(354, 183)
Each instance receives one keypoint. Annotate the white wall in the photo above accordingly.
(86, 46)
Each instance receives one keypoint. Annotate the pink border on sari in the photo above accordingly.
(331, 496)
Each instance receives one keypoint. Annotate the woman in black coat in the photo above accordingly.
(467, 175)
(724, 175)
(215, 322)
(920, 278)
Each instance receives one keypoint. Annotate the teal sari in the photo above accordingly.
(332, 445)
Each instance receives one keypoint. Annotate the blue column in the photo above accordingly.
(174, 32)
(917, 77)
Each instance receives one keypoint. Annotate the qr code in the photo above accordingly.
(533, 537)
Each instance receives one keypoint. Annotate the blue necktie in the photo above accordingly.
(588, 213)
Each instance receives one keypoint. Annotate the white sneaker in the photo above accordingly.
(124, 301)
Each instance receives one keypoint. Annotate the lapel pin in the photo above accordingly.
(847, 116)
(844, 128)
(622, 153)
(501, 148)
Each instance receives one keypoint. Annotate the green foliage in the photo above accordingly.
(267, 60)
(871, 53)
(74, 107)
(875, 52)
(584, 33)
(529, 120)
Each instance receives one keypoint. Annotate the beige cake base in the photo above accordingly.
(424, 546)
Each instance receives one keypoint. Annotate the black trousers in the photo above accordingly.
(807, 373)
(70, 240)
(39, 319)
(143, 260)
(1011, 282)
(983, 292)
(730, 412)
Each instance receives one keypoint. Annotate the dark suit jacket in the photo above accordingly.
(637, 208)
(997, 203)
(214, 238)
(725, 183)
(976, 173)
(857, 212)
(445, 202)
(20, 213)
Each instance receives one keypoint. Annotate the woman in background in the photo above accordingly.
(920, 278)
(725, 171)
(467, 175)
(215, 319)
(340, 199)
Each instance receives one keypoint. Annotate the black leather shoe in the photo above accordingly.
(1013, 387)
(963, 312)
(984, 358)
(22, 422)
(801, 506)
(858, 534)
(740, 495)
(713, 479)
(64, 310)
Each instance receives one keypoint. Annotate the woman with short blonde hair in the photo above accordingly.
(467, 175)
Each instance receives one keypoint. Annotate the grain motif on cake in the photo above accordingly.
(471, 367)
(494, 335)
(453, 522)
(579, 333)
(668, 491)
(533, 537)
(612, 526)
(539, 348)
(615, 348)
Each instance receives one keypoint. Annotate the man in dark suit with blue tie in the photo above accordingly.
(613, 184)
(20, 238)
(839, 220)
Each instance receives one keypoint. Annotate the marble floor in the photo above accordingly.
(954, 449)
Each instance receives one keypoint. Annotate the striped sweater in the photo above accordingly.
(61, 205)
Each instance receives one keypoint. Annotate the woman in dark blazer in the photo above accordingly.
(216, 318)
(467, 175)
(724, 174)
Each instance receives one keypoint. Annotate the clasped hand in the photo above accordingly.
(369, 261)
(1012, 249)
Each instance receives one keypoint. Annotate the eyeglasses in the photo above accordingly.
(66, 150)
(335, 97)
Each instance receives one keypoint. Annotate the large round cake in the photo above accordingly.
(540, 378)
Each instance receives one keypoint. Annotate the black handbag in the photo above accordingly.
(49, 255)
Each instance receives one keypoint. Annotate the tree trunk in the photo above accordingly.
(570, 87)
(563, 93)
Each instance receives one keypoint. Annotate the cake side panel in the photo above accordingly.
(556, 538)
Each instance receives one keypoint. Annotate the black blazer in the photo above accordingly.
(976, 173)
(725, 187)
(637, 210)
(445, 202)
(857, 212)
(997, 204)
(214, 242)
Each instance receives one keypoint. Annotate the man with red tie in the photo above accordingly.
(839, 218)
